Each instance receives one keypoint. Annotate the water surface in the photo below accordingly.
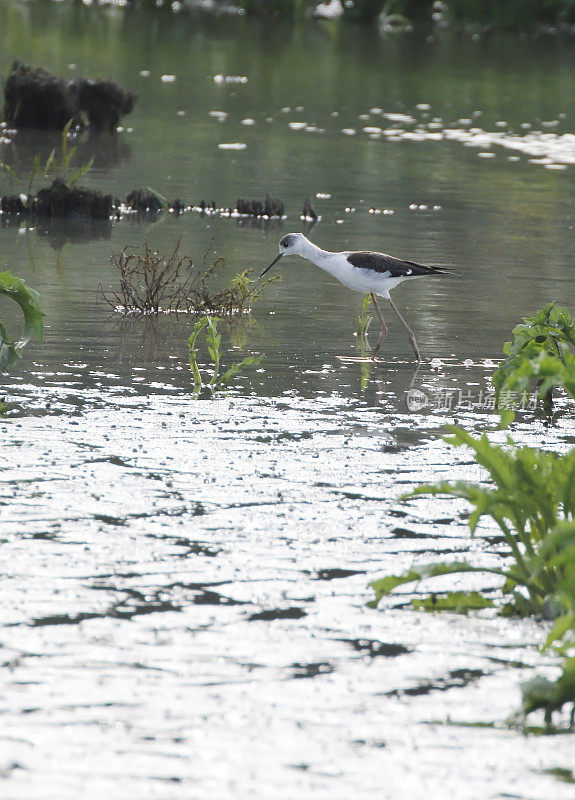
(184, 582)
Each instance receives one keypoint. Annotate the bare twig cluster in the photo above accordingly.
(151, 283)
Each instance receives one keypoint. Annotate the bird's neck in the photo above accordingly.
(315, 254)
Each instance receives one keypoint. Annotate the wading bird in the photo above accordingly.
(363, 271)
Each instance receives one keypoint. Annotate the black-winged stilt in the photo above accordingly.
(363, 271)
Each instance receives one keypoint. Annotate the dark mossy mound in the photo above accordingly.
(34, 98)
(104, 102)
(12, 204)
(144, 201)
(61, 200)
(270, 207)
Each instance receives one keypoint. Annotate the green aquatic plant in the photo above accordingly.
(151, 282)
(213, 339)
(362, 343)
(364, 320)
(29, 301)
(559, 549)
(59, 163)
(531, 498)
(162, 198)
(532, 491)
(540, 354)
(541, 692)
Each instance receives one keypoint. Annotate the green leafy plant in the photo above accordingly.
(29, 301)
(362, 343)
(559, 550)
(532, 492)
(538, 354)
(531, 498)
(59, 163)
(162, 198)
(151, 282)
(364, 320)
(540, 692)
(213, 339)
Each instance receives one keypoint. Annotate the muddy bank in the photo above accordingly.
(35, 98)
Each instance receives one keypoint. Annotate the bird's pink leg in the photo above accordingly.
(407, 328)
(383, 333)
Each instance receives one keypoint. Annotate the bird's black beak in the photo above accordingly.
(275, 261)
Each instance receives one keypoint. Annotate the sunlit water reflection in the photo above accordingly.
(184, 581)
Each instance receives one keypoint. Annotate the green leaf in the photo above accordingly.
(561, 627)
(384, 586)
(538, 355)
(539, 692)
(458, 602)
(198, 327)
(213, 341)
(250, 361)
(164, 202)
(8, 352)
(29, 301)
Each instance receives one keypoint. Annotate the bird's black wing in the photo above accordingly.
(397, 268)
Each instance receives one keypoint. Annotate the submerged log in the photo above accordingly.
(34, 98)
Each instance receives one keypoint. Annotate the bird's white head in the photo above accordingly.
(290, 244)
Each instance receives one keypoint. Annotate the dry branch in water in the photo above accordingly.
(151, 283)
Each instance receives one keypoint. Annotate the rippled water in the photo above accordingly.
(184, 581)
